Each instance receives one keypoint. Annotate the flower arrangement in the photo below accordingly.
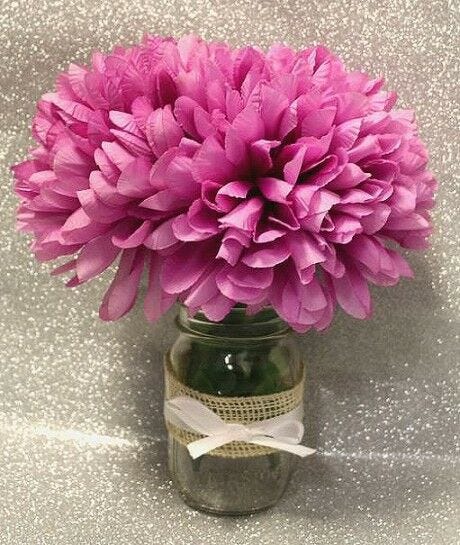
(229, 176)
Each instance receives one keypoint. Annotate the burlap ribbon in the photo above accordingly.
(279, 413)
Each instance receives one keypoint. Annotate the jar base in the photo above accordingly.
(216, 511)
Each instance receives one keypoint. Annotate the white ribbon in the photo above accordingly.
(282, 432)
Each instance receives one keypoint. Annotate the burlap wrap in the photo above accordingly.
(240, 409)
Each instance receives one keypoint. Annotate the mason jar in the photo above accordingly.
(238, 357)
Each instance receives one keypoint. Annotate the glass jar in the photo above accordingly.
(240, 356)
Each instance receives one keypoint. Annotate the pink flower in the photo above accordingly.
(230, 176)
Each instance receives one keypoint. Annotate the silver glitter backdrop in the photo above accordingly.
(82, 450)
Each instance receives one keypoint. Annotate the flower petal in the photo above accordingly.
(211, 164)
(156, 301)
(352, 293)
(133, 238)
(269, 255)
(95, 257)
(163, 131)
(134, 180)
(122, 293)
(245, 216)
(183, 268)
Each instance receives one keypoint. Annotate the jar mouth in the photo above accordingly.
(236, 325)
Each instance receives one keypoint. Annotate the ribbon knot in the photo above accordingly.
(282, 432)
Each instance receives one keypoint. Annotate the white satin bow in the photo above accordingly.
(281, 432)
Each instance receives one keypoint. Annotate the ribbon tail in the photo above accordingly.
(299, 450)
(203, 446)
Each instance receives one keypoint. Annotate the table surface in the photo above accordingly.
(82, 450)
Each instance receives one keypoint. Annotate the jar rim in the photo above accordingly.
(256, 327)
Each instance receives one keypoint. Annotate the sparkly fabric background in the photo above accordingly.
(82, 450)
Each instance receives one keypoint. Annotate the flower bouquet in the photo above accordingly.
(258, 189)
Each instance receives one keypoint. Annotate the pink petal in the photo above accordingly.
(318, 122)
(202, 292)
(351, 176)
(292, 169)
(287, 123)
(50, 197)
(72, 168)
(141, 109)
(273, 189)
(162, 236)
(322, 201)
(304, 249)
(188, 146)
(382, 169)
(97, 210)
(156, 301)
(226, 194)
(351, 105)
(346, 133)
(132, 239)
(403, 200)
(122, 293)
(248, 277)
(117, 154)
(159, 174)
(236, 292)
(270, 255)
(105, 191)
(134, 144)
(79, 228)
(345, 228)
(95, 257)
(301, 196)
(184, 231)
(163, 131)
(245, 215)
(411, 222)
(98, 130)
(249, 125)
(235, 148)
(211, 163)
(202, 218)
(283, 214)
(272, 107)
(367, 250)
(260, 154)
(175, 174)
(106, 166)
(134, 180)
(375, 221)
(203, 123)
(267, 231)
(164, 201)
(183, 268)
(184, 109)
(126, 122)
(401, 265)
(23, 171)
(316, 148)
(233, 104)
(352, 293)
(165, 88)
(66, 267)
(313, 297)
(217, 308)
(74, 109)
(325, 170)
(232, 245)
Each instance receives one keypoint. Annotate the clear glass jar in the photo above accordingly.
(240, 356)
